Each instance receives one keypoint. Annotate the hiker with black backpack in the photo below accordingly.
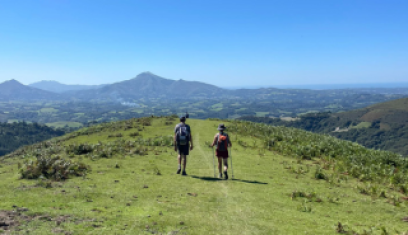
(222, 141)
(183, 143)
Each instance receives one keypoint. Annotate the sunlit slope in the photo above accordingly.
(390, 112)
(133, 188)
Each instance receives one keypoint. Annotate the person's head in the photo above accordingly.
(221, 127)
(183, 118)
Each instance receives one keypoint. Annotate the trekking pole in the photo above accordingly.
(232, 169)
(213, 161)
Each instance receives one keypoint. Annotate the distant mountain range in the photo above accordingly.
(14, 90)
(57, 87)
(147, 86)
(150, 86)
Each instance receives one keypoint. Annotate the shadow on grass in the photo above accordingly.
(217, 179)
(205, 178)
(249, 181)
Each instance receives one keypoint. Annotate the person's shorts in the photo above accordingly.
(223, 154)
(183, 149)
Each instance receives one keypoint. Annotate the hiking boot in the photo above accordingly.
(220, 176)
(178, 171)
(226, 175)
(184, 173)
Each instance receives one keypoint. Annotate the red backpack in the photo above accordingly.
(222, 142)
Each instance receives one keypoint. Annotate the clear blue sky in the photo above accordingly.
(226, 43)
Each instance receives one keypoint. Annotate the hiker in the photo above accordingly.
(183, 142)
(222, 141)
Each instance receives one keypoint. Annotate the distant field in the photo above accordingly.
(199, 111)
(236, 105)
(333, 106)
(63, 124)
(137, 111)
(235, 116)
(311, 111)
(362, 125)
(261, 114)
(216, 106)
(48, 110)
(12, 120)
(289, 119)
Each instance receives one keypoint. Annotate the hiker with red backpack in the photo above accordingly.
(222, 141)
(183, 143)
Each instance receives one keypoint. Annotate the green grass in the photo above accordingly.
(63, 124)
(257, 201)
(12, 120)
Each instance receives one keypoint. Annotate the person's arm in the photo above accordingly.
(175, 141)
(175, 138)
(191, 142)
(214, 141)
(229, 142)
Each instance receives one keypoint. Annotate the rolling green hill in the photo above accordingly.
(380, 126)
(121, 180)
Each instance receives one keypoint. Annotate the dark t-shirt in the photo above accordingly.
(180, 125)
(188, 129)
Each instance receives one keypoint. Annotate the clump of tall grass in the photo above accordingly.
(54, 168)
(312, 197)
(320, 174)
(134, 134)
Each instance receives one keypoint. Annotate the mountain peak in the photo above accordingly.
(147, 76)
(147, 73)
(12, 82)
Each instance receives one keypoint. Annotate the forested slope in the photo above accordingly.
(15, 135)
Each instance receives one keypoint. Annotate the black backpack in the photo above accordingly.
(183, 136)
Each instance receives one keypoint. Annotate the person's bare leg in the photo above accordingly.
(179, 164)
(184, 161)
(225, 160)
(220, 165)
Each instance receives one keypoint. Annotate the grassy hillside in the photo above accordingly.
(381, 126)
(286, 181)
